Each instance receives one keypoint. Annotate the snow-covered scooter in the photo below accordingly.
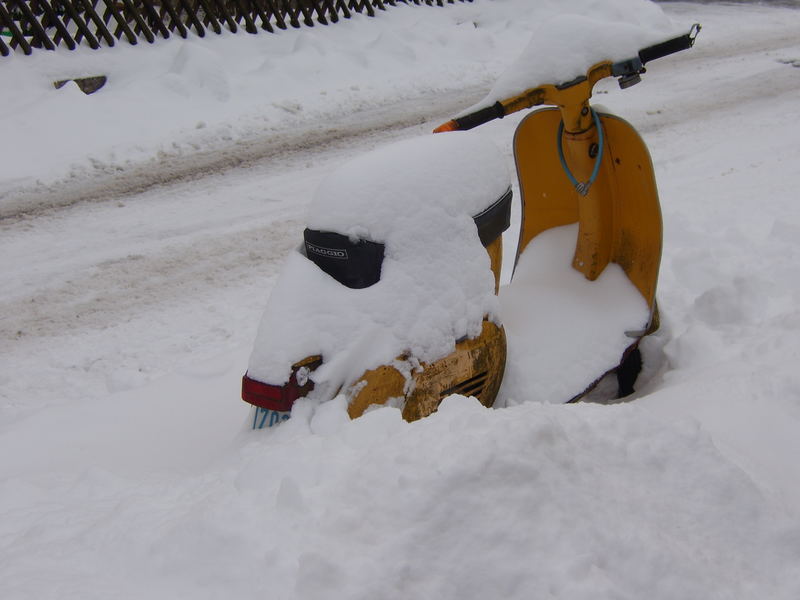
(393, 296)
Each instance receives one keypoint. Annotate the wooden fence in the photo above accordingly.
(30, 24)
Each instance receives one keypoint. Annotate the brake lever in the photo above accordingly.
(630, 70)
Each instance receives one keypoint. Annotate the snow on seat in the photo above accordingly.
(418, 198)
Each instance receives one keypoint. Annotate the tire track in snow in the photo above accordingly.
(112, 181)
(100, 296)
(723, 93)
(103, 289)
(122, 279)
(107, 182)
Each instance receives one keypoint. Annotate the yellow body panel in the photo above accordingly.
(474, 368)
(495, 251)
(620, 217)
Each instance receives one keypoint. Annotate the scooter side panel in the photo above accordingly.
(548, 199)
(638, 230)
(625, 219)
(474, 368)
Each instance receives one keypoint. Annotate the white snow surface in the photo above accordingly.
(129, 309)
(563, 330)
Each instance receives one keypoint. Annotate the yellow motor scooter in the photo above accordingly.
(576, 167)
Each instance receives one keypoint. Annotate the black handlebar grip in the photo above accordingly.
(495, 111)
(682, 42)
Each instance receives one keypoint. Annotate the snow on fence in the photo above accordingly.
(29, 24)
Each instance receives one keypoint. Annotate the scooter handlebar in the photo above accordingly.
(682, 42)
(490, 113)
(627, 70)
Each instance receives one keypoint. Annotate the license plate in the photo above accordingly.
(265, 417)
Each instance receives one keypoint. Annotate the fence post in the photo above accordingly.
(38, 34)
(122, 25)
(100, 27)
(265, 24)
(191, 15)
(277, 14)
(209, 17)
(17, 39)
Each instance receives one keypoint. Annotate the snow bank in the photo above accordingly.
(166, 102)
(565, 502)
(177, 98)
(418, 198)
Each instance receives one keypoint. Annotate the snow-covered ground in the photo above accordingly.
(142, 230)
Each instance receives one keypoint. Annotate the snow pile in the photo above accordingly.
(418, 198)
(566, 502)
(563, 330)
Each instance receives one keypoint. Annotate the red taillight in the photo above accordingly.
(280, 397)
(272, 397)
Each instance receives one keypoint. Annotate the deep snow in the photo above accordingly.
(127, 320)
